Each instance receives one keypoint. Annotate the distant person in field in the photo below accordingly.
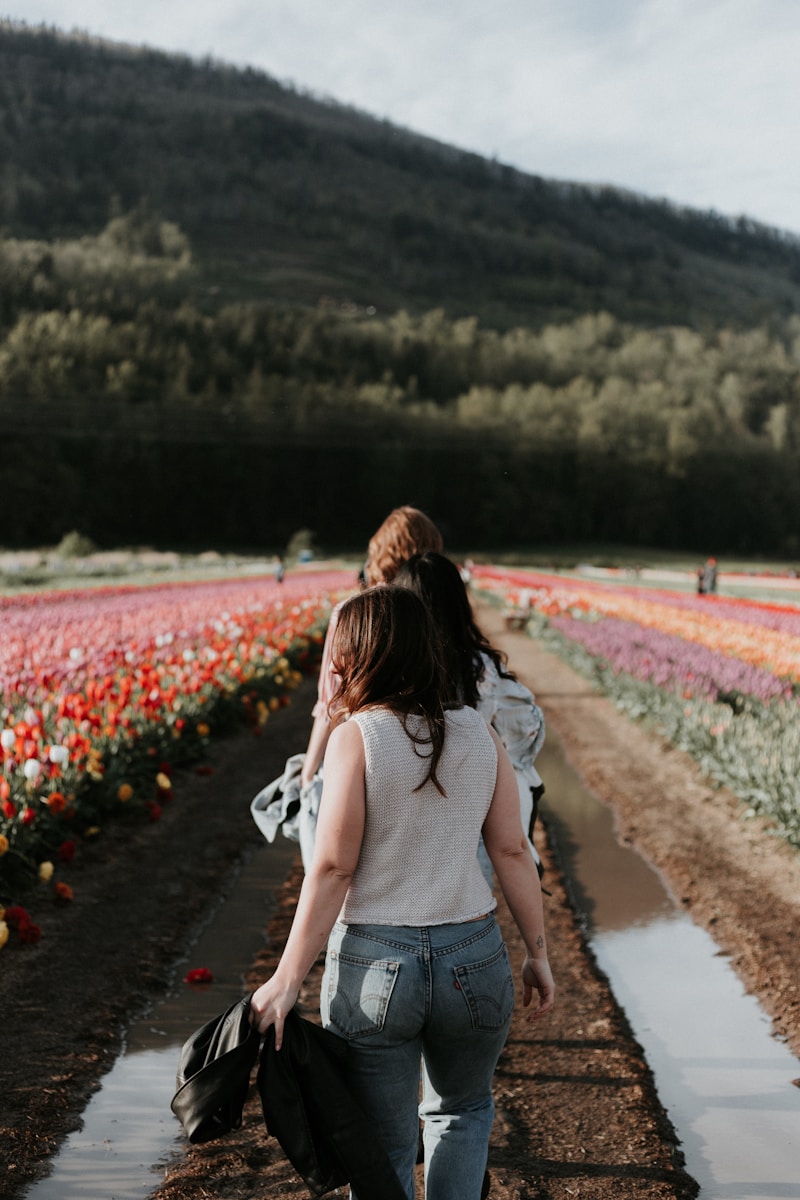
(710, 577)
(405, 531)
(416, 967)
(479, 678)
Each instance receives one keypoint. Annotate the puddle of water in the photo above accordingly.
(725, 1081)
(128, 1125)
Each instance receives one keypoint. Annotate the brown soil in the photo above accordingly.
(738, 880)
(577, 1112)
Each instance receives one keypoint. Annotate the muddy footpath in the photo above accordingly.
(577, 1109)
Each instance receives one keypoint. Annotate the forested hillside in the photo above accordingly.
(284, 197)
(228, 310)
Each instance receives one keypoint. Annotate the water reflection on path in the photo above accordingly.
(724, 1080)
(128, 1126)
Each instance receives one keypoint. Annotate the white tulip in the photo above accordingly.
(32, 769)
(7, 739)
(58, 754)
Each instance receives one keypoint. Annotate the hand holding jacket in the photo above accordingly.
(270, 1004)
(305, 1097)
(340, 831)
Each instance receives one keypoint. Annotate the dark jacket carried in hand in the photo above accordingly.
(307, 1103)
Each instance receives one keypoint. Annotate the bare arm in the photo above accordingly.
(340, 831)
(315, 751)
(321, 729)
(508, 849)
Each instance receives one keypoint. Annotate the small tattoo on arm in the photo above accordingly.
(540, 941)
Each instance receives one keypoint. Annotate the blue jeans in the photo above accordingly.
(440, 994)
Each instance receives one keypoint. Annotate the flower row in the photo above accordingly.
(737, 718)
(765, 636)
(752, 748)
(111, 688)
(671, 662)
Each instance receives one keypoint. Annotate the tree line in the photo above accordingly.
(136, 414)
(229, 310)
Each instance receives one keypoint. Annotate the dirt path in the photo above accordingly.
(738, 882)
(140, 890)
(577, 1113)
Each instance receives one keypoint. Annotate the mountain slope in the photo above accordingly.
(285, 197)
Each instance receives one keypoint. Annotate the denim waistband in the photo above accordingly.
(423, 939)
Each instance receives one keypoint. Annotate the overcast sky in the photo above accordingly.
(694, 100)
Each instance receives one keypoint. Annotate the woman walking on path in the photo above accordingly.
(416, 966)
(479, 677)
(405, 531)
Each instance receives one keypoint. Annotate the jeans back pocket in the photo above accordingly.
(357, 992)
(488, 988)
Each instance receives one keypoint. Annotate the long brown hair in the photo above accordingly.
(385, 652)
(437, 581)
(405, 531)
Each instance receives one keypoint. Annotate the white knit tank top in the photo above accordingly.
(418, 863)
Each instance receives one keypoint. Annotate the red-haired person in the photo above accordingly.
(405, 531)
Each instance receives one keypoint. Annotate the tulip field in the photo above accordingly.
(718, 676)
(104, 691)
